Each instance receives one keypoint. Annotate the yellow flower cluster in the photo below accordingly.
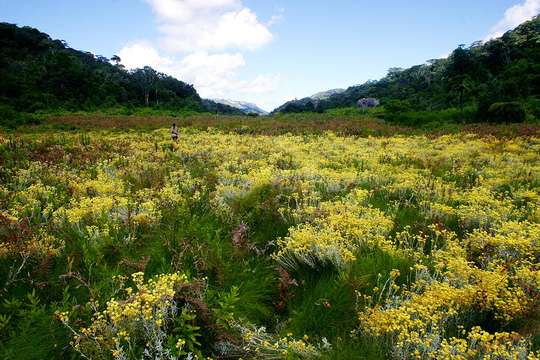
(333, 232)
(417, 319)
(107, 198)
(475, 203)
(37, 244)
(261, 345)
(125, 323)
(480, 344)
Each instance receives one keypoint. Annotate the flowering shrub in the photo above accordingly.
(332, 234)
(480, 344)
(465, 209)
(260, 345)
(149, 322)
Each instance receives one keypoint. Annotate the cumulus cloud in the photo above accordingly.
(141, 54)
(204, 41)
(209, 25)
(186, 10)
(214, 75)
(514, 16)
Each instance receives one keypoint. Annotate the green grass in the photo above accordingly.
(325, 303)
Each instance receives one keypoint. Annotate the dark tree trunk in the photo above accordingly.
(461, 100)
(461, 91)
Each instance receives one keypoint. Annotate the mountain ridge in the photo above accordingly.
(326, 94)
(500, 70)
(246, 107)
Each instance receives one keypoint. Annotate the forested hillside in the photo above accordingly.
(39, 73)
(216, 107)
(506, 69)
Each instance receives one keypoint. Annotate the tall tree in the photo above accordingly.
(146, 79)
(116, 59)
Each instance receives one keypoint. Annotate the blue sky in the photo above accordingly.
(270, 51)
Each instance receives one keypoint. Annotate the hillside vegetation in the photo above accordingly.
(470, 80)
(38, 73)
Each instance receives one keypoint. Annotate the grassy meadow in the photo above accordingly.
(286, 237)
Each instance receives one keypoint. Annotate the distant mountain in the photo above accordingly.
(506, 69)
(323, 95)
(217, 107)
(310, 103)
(244, 107)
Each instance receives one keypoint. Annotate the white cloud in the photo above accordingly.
(187, 10)
(140, 54)
(204, 40)
(514, 16)
(209, 25)
(213, 75)
(444, 56)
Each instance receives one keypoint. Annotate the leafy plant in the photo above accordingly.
(506, 112)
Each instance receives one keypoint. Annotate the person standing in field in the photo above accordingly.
(174, 132)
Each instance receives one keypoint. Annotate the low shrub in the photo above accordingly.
(397, 106)
(532, 107)
(9, 118)
(506, 112)
(431, 119)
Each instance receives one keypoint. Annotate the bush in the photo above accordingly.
(397, 106)
(506, 112)
(532, 107)
(345, 111)
(432, 119)
(9, 118)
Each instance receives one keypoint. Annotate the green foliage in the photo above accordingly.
(32, 333)
(346, 111)
(38, 73)
(506, 112)
(354, 111)
(184, 328)
(502, 70)
(394, 107)
(226, 306)
(532, 106)
(360, 348)
(432, 119)
(322, 305)
(9, 118)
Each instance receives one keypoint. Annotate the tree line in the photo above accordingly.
(38, 73)
(502, 70)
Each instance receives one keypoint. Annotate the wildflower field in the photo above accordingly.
(234, 244)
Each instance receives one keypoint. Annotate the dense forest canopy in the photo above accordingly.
(39, 73)
(500, 70)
